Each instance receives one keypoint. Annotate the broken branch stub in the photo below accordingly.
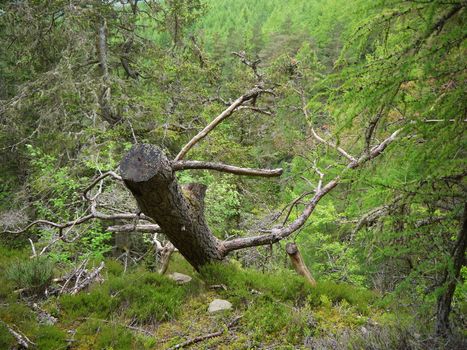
(298, 263)
(148, 174)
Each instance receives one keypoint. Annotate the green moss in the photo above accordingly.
(16, 313)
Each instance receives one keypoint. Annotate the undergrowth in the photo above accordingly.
(284, 285)
(144, 296)
(139, 309)
(32, 275)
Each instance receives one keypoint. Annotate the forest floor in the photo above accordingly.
(139, 309)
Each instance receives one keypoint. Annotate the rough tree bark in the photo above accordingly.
(105, 95)
(450, 279)
(149, 176)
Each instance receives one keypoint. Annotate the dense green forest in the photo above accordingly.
(299, 164)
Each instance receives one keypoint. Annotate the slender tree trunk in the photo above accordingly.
(451, 278)
(148, 174)
(105, 94)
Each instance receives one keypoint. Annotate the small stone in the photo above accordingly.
(180, 278)
(219, 305)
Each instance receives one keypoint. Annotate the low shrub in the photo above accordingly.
(358, 297)
(241, 283)
(32, 275)
(145, 296)
(267, 318)
(50, 337)
(98, 334)
(285, 285)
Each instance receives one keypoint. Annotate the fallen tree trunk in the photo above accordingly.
(179, 212)
(149, 176)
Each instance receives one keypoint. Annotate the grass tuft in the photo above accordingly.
(32, 275)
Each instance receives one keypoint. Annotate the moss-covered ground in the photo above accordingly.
(139, 309)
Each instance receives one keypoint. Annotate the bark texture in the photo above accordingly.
(105, 95)
(451, 278)
(298, 263)
(149, 176)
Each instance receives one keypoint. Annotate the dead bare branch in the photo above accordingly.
(332, 145)
(321, 176)
(252, 64)
(375, 151)
(22, 340)
(52, 224)
(80, 285)
(278, 234)
(147, 228)
(206, 336)
(257, 110)
(97, 180)
(195, 164)
(251, 94)
(294, 203)
(92, 216)
(301, 93)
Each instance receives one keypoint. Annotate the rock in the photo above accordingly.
(43, 316)
(180, 278)
(219, 305)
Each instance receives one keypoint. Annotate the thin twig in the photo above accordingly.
(133, 328)
(99, 178)
(206, 336)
